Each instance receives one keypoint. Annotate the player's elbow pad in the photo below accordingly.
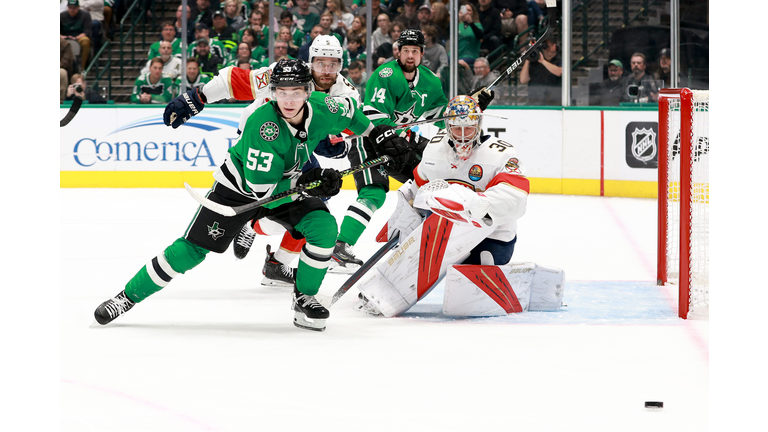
(508, 208)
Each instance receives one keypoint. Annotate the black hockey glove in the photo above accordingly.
(182, 108)
(329, 187)
(386, 141)
(483, 97)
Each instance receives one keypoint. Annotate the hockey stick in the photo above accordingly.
(72, 111)
(551, 5)
(356, 276)
(336, 140)
(232, 211)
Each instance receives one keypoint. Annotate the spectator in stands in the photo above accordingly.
(394, 31)
(435, 56)
(256, 22)
(263, 7)
(376, 9)
(490, 18)
(233, 14)
(194, 79)
(466, 78)
(358, 77)
(665, 68)
(542, 75)
(610, 91)
(358, 29)
(383, 54)
(281, 52)
(75, 24)
(66, 67)
(424, 14)
(284, 34)
(257, 52)
(470, 33)
(305, 19)
(514, 17)
(381, 34)
(638, 78)
(304, 49)
(355, 50)
(342, 19)
(298, 36)
(153, 87)
(484, 76)
(78, 89)
(171, 63)
(214, 46)
(409, 18)
(224, 33)
(167, 34)
(96, 9)
(202, 13)
(210, 63)
(535, 12)
(190, 33)
(442, 21)
(109, 6)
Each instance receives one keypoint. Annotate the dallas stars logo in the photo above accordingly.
(214, 231)
(382, 171)
(269, 131)
(407, 116)
(293, 171)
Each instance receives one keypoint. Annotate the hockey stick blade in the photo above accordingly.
(232, 211)
(72, 112)
(372, 261)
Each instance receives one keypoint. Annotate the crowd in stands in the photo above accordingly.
(235, 33)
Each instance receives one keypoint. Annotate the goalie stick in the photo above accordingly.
(356, 276)
(232, 211)
(72, 111)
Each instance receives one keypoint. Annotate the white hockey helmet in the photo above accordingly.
(465, 130)
(326, 46)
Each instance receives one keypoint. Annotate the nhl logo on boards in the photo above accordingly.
(475, 173)
(385, 73)
(332, 106)
(269, 131)
(641, 145)
(214, 231)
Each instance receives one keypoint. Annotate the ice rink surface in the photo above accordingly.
(216, 351)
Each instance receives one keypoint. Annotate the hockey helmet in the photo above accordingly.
(290, 73)
(464, 131)
(325, 46)
(411, 37)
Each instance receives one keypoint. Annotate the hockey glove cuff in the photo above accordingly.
(386, 141)
(331, 182)
(483, 97)
(182, 108)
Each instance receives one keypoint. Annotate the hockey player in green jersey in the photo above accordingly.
(276, 142)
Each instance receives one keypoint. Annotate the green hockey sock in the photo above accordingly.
(176, 259)
(359, 213)
(319, 228)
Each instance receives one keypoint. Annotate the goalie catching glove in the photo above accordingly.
(331, 182)
(456, 203)
(182, 108)
(387, 141)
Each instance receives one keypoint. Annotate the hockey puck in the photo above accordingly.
(650, 404)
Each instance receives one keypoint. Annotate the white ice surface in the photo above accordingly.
(215, 351)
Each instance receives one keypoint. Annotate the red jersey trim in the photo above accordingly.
(515, 181)
(240, 84)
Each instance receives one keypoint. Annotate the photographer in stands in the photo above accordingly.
(542, 71)
(639, 86)
(79, 90)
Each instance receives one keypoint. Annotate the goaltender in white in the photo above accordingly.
(472, 190)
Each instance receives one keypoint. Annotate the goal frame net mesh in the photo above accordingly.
(683, 198)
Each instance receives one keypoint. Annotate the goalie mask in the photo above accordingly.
(464, 131)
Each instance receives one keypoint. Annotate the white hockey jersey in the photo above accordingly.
(241, 84)
(493, 170)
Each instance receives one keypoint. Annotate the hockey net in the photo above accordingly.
(683, 251)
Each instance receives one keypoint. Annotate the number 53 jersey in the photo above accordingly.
(493, 170)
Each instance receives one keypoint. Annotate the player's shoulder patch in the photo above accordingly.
(332, 105)
(513, 166)
(261, 79)
(269, 131)
(386, 72)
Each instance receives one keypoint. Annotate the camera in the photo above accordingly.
(534, 57)
(78, 88)
(633, 90)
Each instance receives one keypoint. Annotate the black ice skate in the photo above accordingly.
(276, 273)
(343, 260)
(244, 241)
(308, 314)
(113, 308)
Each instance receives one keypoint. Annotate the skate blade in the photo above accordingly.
(301, 321)
(343, 269)
(275, 283)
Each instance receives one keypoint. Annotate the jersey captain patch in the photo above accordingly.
(269, 131)
(475, 173)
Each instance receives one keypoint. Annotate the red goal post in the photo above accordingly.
(683, 198)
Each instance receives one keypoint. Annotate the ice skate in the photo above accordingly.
(244, 241)
(113, 308)
(276, 273)
(309, 314)
(343, 260)
(365, 305)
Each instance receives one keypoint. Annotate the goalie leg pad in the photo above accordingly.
(405, 218)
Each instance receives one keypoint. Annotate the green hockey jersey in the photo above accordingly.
(268, 157)
(390, 99)
(161, 91)
(154, 49)
(198, 83)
